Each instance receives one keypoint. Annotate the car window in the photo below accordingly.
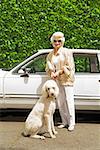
(83, 63)
(86, 63)
(37, 65)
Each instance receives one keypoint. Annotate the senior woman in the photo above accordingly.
(60, 67)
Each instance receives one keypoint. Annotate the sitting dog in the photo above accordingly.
(42, 113)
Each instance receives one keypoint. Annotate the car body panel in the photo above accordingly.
(87, 86)
(18, 91)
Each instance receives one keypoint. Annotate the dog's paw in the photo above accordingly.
(55, 132)
(38, 137)
(42, 138)
(53, 136)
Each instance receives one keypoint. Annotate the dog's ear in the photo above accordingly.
(56, 89)
(44, 90)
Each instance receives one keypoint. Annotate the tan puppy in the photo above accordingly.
(42, 113)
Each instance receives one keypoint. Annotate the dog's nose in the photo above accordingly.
(52, 94)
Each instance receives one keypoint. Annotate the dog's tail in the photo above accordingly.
(25, 134)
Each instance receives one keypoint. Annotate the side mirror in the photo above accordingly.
(23, 72)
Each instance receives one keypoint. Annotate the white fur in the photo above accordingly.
(42, 113)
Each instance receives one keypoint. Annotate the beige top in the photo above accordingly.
(64, 58)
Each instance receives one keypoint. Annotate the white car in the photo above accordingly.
(21, 86)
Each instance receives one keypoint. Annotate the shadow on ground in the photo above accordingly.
(21, 115)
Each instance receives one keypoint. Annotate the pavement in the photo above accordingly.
(86, 136)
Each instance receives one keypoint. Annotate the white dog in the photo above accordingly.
(42, 113)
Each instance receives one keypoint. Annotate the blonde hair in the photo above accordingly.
(59, 35)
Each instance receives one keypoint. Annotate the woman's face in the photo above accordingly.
(57, 43)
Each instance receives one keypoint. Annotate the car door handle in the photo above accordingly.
(99, 80)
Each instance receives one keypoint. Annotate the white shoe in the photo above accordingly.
(61, 126)
(71, 128)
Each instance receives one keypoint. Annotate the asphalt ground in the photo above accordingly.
(86, 135)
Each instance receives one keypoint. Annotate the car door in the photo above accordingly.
(87, 76)
(23, 88)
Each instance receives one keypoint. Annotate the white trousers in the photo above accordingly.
(65, 104)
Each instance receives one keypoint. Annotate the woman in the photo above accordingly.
(60, 67)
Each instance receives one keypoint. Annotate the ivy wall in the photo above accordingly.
(26, 26)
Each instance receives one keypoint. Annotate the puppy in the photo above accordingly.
(42, 113)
